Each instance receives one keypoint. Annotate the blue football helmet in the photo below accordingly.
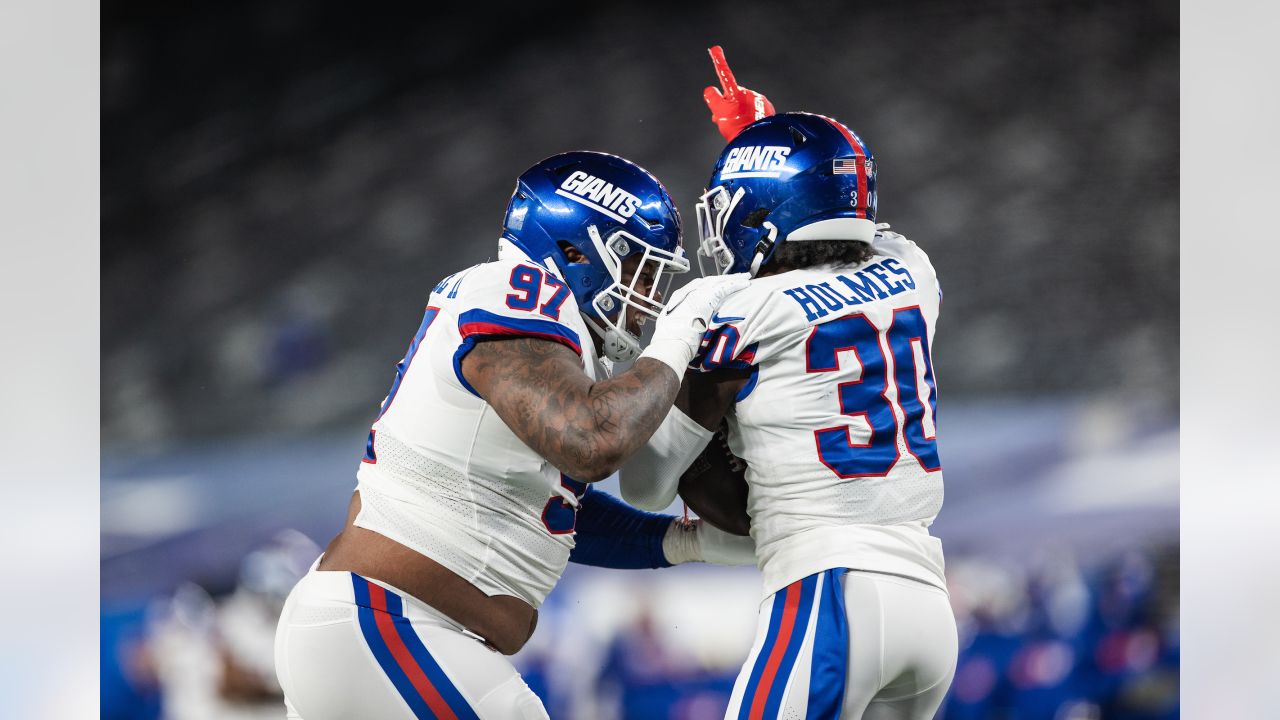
(609, 209)
(785, 178)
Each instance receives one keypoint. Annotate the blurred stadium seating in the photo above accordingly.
(273, 216)
(283, 183)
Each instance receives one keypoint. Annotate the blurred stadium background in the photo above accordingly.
(283, 183)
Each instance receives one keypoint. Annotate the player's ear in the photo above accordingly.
(574, 254)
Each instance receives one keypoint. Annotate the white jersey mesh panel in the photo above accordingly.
(421, 504)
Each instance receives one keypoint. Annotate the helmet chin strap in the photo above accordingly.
(620, 347)
(763, 248)
(614, 344)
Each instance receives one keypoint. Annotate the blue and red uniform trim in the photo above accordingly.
(399, 651)
(829, 665)
(788, 623)
(793, 607)
(475, 325)
(711, 356)
(482, 323)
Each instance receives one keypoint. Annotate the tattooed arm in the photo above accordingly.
(584, 428)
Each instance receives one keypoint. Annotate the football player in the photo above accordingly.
(822, 369)
(475, 486)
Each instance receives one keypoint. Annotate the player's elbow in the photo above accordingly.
(590, 462)
(603, 466)
(592, 473)
(591, 455)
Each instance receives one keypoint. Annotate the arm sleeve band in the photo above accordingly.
(651, 477)
(612, 534)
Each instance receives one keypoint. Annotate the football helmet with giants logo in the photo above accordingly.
(789, 177)
(608, 209)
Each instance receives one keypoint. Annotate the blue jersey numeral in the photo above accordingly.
(906, 333)
(370, 456)
(868, 396)
(528, 282)
(551, 308)
(864, 397)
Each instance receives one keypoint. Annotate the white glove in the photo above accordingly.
(678, 332)
(700, 541)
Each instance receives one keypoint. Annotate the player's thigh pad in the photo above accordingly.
(348, 648)
(902, 647)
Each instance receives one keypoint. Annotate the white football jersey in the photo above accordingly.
(836, 422)
(443, 474)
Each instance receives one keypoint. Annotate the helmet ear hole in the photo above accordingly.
(573, 254)
(797, 136)
(756, 218)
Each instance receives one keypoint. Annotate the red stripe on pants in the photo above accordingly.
(404, 658)
(789, 610)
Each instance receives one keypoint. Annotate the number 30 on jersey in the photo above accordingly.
(868, 397)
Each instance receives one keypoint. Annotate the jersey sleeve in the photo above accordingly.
(737, 333)
(723, 344)
(507, 300)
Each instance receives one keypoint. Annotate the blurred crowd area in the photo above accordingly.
(1050, 638)
(284, 182)
(1060, 527)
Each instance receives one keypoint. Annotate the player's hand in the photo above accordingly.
(677, 335)
(733, 107)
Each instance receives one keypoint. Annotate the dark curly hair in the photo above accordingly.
(811, 253)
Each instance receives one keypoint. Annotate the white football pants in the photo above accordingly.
(348, 648)
(849, 645)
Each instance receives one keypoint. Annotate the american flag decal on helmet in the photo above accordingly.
(844, 166)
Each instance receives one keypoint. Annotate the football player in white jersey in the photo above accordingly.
(474, 490)
(822, 369)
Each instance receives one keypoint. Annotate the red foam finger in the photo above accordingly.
(727, 80)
